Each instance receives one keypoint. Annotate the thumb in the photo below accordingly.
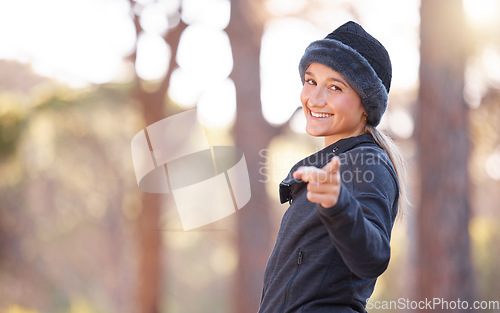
(298, 173)
(333, 166)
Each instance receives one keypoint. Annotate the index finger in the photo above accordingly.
(333, 166)
(310, 173)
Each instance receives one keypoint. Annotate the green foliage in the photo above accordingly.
(11, 127)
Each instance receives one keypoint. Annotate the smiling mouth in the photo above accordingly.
(320, 114)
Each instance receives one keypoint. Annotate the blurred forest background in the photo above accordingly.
(79, 78)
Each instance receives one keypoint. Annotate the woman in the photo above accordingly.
(333, 241)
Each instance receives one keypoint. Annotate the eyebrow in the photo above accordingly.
(330, 79)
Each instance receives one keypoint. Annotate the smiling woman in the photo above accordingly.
(334, 239)
(332, 108)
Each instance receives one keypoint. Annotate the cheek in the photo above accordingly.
(349, 107)
(303, 96)
(343, 108)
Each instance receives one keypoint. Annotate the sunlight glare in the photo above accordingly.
(144, 2)
(153, 19)
(475, 82)
(492, 165)
(153, 56)
(401, 123)
(283, 44)
(213, 14)
(182, 90)
(58, 39)
(285, 7)
(205, 54)
(481, 13)
(491, 64)
(217, 104)
(172, 6)
(298, 122)
(396, 25)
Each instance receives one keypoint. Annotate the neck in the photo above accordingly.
(334, 138)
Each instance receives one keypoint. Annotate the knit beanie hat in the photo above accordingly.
(361, 59)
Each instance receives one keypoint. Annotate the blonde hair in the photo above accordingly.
(386, 143)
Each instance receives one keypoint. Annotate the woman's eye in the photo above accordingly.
(335, 88)
(310, 82)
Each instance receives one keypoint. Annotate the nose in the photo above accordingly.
(317, 97)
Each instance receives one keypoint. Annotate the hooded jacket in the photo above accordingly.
(328, 259)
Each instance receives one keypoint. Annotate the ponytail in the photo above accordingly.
(386, 143)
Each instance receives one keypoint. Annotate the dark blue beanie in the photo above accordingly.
(361, 59)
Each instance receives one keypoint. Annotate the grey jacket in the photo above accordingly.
(328, 259)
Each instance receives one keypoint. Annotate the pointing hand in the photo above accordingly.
(323, 184)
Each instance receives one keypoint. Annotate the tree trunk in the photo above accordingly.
(443, 262)
(252, 134)
(149, 235)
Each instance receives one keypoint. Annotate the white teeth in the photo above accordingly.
(320, 114)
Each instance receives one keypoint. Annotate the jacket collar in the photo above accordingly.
(290, 185)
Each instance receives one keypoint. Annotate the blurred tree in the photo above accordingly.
(153, 107)
(443, 266)
(485, 234)
(61, 201)
(252, 134)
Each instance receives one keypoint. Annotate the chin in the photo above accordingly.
(314, 133)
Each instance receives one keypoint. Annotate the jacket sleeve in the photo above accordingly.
(360, 223)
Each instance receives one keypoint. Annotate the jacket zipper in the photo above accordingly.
(289, 284)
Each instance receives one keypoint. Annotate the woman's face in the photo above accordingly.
(332, 108)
